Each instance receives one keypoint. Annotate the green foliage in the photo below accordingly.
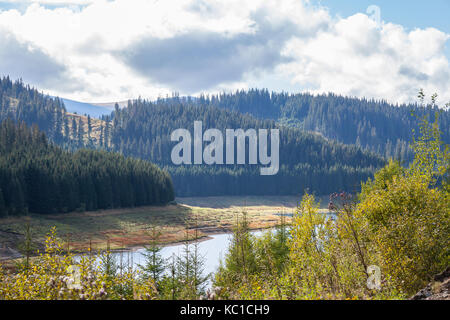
(56, 275)
(431, 155)
(170, 284)
(24, 104)
(154, 264)
(275, 247)
(252, 266)
(408, 217)
(27, 247)
(381, 178)
(108, 263)
(3, 210)
(401, 224)
(190, 267)
(39, 177)
(329, 253)
(374, 125)
(240, 260)
(409, 227)
(143, 129)
(308, 161)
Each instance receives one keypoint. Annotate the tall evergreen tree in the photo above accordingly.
(89, 133)
(2, 204)
(154, 264)
(39, 177)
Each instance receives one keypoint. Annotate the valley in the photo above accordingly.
(109, 189)
(126, 228)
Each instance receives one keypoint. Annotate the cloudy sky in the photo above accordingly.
(102, 51)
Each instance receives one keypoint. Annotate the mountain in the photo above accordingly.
(81, 108)
(374, 125)
(98, 109)
(307, 160)
(111, 105)
(142, 129)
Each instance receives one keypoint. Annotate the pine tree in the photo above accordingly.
(281, 243)
(66, 129)
(80, 133)
(191, 265)
(199, 279)
(106, 133)
(240, 259)
(154, 264)
(89, 130)
(74, 130)
(27, 246)
(57, 136)
(2, 205)
(101, 139)
(43, 178)
(109, 262)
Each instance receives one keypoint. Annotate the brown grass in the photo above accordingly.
(124, 228)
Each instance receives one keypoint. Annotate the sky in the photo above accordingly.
(114, 50)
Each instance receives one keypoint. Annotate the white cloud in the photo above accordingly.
(356, 58)
(114, 50)
(51, 2)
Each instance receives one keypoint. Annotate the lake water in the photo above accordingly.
(213, 250)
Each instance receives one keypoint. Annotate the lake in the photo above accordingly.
(213, 250)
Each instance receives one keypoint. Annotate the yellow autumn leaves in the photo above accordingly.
(51, 276)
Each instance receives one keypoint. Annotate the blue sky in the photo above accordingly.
(410, 14)
(113, 50)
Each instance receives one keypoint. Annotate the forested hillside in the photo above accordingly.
(307, 161)
(375, 125)
(143, 128)
(39, 177)
(20, 102)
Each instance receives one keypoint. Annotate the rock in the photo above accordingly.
(438, 289)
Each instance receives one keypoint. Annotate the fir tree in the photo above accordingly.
(154, 264)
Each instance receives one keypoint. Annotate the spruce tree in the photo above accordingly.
(2, 205)
(89, 124)
(80, 133)
(154, 265)
(74, 130)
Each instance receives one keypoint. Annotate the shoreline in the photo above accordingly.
(129, 228)
(203, 238)
(208, 236)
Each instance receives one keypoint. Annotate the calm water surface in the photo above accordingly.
(213, 250)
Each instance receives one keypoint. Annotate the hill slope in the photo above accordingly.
(374, 125)
(82, 108)
(307, 161)
(39, 177)
(143, 128)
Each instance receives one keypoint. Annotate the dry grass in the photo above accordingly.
(125, 228)
(96, 125)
